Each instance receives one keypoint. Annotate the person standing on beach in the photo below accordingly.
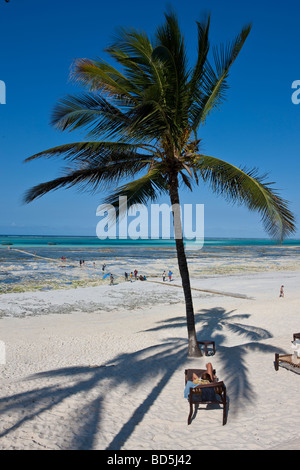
(164, 276)
(126, 276)
(130, 277)
(103, 267)
(111, 280)
(170, 275)
(281, 293)
(135, 274)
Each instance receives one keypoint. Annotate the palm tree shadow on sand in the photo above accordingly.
(156, 363)
(212, 324)
(126, 370)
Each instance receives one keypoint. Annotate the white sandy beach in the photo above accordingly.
(103, 367)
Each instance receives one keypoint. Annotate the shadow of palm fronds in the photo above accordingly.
(87, 391)
(89, 388)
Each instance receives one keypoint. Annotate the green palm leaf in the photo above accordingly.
(147, 188)
(198, 72)
(100, 76)
(97, 152)
(248, 188)
(91, 112)
(214, 85)
(95, 175)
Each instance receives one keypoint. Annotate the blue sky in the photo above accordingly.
(258, 126)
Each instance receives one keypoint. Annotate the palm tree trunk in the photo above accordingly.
(193, 347)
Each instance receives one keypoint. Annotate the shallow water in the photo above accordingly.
(41, 267)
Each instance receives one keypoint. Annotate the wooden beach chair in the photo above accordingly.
(208, 394)
(287, 360)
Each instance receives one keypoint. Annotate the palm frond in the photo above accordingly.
(134, 50)
(92, 113)
(147, 188)
(100, 76)
(97, 175)
(78, 177)
(202, 53)
(249, 188)
(96, 152)
(170, 50)
(214, 84)
(186, 180)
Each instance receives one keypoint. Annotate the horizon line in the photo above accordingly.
(158, 238)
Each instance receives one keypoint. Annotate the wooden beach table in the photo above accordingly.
(207, 343)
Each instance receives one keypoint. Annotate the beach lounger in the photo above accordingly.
(213, 393)
(290, 361)
(286, 361)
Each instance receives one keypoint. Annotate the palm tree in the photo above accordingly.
(142, 121)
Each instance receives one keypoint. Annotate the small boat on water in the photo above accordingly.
(52, 243)
(6, 243)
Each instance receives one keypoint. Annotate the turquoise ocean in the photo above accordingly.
(78, 241)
